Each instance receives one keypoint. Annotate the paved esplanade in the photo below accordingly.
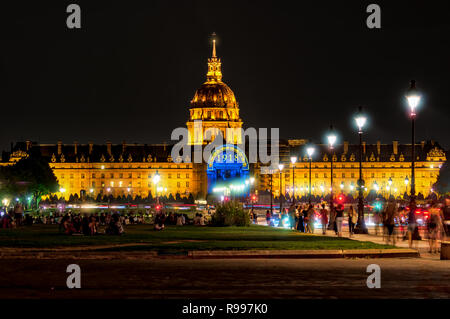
(229, 278)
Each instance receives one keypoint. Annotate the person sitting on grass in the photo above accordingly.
(180, 220)
(115, 226)
(160, 219)
(68, 227)
(93, 226)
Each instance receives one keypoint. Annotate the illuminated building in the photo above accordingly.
(127, 169)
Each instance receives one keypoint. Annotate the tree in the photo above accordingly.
(442, 185)
(31, 175)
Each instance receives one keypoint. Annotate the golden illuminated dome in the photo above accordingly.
(214, 92)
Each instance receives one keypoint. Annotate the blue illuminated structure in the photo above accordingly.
(228, 166)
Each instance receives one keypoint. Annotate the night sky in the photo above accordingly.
(131, 71)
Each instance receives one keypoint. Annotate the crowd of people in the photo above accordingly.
(177, 219)
(393, 222)
(111, 223)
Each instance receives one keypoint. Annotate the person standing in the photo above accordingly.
(311, 218)
(268, 217)
(413, 230)
(324, 219)
(391, 214)
(300, 226)
(306, 219)
(291, 216)
(339, 219)
(434, 225)
(352, 219)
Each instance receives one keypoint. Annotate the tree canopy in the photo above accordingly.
(29, 176)
(442, 185)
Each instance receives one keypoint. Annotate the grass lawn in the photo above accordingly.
(143, 237)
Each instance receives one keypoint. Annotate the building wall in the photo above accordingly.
(130, 178)
(347, 174)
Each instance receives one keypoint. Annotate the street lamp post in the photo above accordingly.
(271, 192)
(413, 98)
(293, 160)
(361, 225)
(280, 167)
(390, 186)
(406, 185)
(331, 140)
(156, 179)
(252, 181)
(310, 152)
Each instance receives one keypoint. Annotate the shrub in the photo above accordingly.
(230, 213)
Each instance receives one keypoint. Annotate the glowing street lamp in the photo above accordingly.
(280, 168)
(293, 161)
(156, 178)
(361, 225)
(5, 202)
(406, 184)
(413, 97)
(310, 152)
(390, 186)
(331, 140)
(376, 187)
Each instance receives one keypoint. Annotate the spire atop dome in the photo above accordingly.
(214, 65)
(214, 45)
